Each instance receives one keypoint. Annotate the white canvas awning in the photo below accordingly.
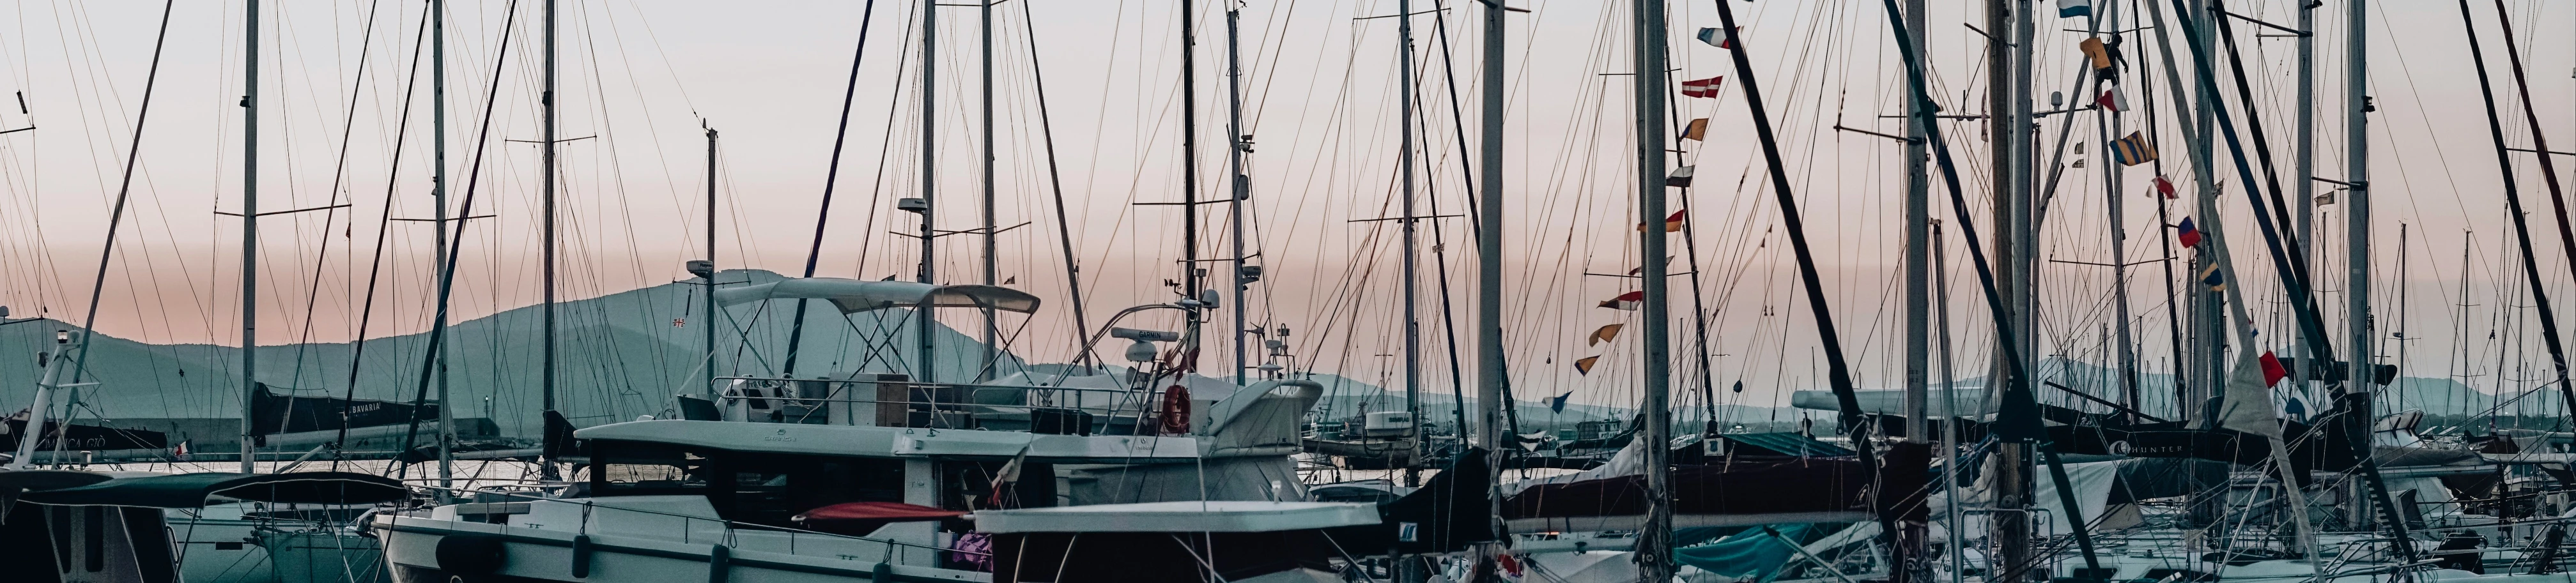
(854, 296)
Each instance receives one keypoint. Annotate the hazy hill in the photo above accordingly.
(624, 357)
(621, 354)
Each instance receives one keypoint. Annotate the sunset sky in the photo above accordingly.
(640, 77)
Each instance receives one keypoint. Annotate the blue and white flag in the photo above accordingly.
(1557, 405)
(1709, 36)
(2074, 8)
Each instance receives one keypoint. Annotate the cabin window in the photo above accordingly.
(771, 488)
(756, 488)
(648, 469)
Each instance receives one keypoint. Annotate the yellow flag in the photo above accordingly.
(1584, 366)
(1605, 334)
(1696, 129)
(2100, 55)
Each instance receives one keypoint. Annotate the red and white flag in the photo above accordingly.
(1628, 301)
(2111, 99)
(1704, 87)
(2165, 187)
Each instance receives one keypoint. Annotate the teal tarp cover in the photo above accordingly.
(1743, 552)
(199, 490)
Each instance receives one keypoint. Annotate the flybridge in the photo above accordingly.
(1078, 417)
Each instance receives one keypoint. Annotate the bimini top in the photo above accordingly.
(855, 296)
(1184, 516)
(200, 490)
(14, 481)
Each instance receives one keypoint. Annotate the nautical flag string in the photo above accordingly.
(2101, 56)
(2273, 372)
(1605, 334)
(1709, 35)
(2111, 99)
(1703, 88)
(2133, 150)
(1628, 301)
(1672, 224)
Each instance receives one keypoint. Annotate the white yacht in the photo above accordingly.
(729, 496)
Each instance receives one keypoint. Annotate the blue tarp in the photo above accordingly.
(1744, 552)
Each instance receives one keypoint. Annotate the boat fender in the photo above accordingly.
(471, 554)
(581, 556)
(719, 564)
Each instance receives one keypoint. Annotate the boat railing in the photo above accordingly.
(727, 532)
(940, 400)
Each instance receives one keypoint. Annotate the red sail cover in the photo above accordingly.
(878, 511)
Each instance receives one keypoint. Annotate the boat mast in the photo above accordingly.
(250, 235)
(2356, 101)
(709, 330)
(438, 233)
(1190, 173)
(1917, 343)
(1491, 374)
(2009, 124)
(547, 102)
(1242, 185)
(992, 267)
(1404, 161)
(2303, 164)
(924, 318)
(1654, 544)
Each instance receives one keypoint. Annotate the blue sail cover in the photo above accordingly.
(1746, 552)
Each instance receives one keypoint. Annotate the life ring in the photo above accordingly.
(1175, 412)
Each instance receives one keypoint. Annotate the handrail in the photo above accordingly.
(1023, 388)
(729, 525)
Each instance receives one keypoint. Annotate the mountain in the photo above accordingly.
(622, 355)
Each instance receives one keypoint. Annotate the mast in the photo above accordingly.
(1412, 322)
(710, 297)
(250, 235)
(1242, 185)
(547, 102)
(2303, 185)
(2128, 349)
(438, 230)
(1190, 169)
(2356, 99)
(2009, 122)
(2209, 327)
(1654, 544)
(1491, 374)
(992, 266)
(924, 318)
